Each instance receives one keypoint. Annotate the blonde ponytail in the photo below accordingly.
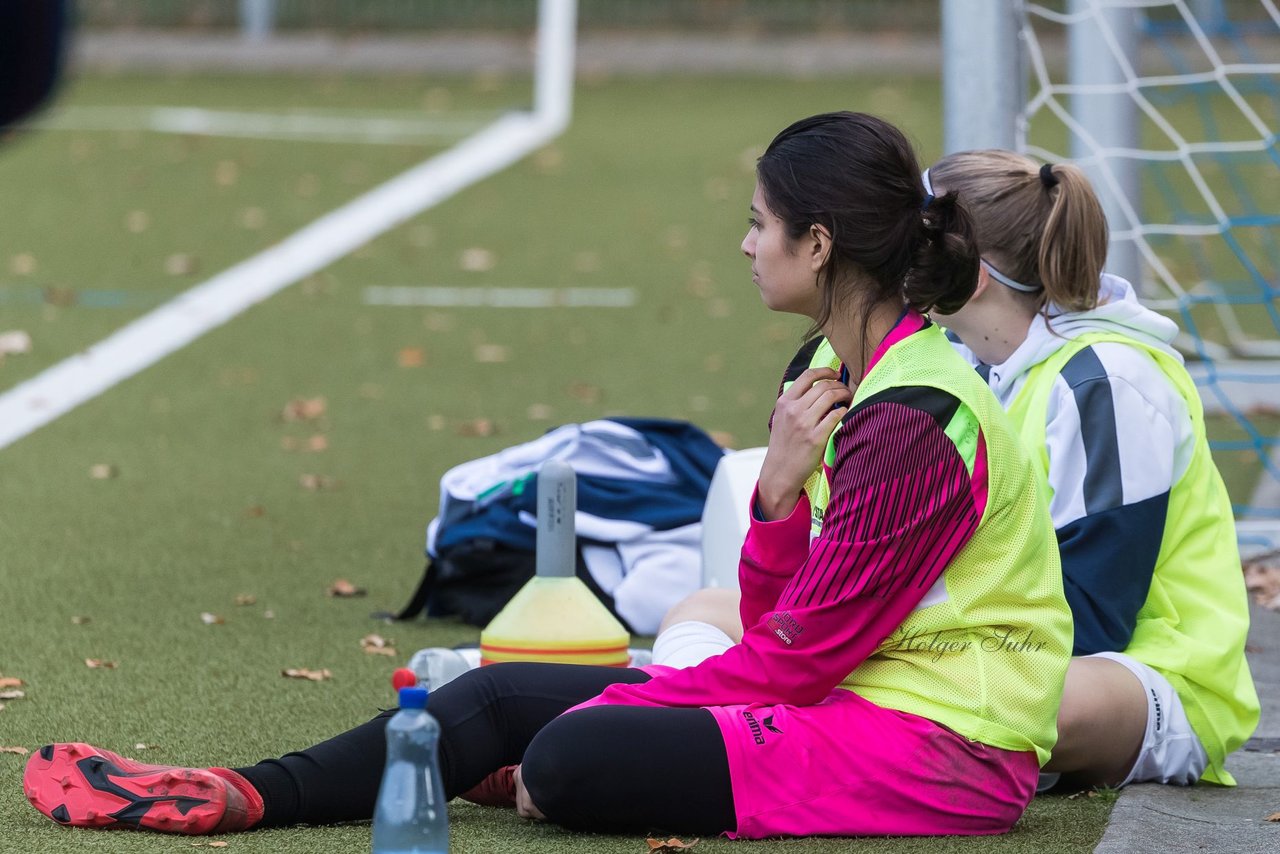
(1039, 225)
(1073, 244)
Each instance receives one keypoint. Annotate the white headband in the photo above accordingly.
(991, 271)
(1008, 282)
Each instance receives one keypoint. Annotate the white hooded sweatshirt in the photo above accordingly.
(1118, 437)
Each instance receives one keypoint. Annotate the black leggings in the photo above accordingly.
(606, 768)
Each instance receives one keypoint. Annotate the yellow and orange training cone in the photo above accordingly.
(555, 617)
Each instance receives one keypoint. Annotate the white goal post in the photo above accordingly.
(79, 378)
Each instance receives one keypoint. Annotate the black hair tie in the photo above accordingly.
(1047, 178)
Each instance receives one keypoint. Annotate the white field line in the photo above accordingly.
(439, 296)
(330, 126)
(60, 388)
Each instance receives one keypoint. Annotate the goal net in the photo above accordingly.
(1172, 108)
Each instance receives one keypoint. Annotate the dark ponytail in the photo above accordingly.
(858, 177)
(944, 272)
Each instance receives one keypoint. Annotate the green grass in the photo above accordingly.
(648, 189)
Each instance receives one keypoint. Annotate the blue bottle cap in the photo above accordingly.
(413, 698)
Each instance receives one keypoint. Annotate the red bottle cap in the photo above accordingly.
(404, 678)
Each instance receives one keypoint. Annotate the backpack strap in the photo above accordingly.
(418, 601)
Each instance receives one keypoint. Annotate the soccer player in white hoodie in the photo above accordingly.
(1159, 690)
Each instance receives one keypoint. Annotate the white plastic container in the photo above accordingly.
(727, 515)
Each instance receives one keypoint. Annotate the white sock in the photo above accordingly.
(689, 643)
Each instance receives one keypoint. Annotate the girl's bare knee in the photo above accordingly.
(715, 605)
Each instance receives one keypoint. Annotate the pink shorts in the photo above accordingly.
(847, 767)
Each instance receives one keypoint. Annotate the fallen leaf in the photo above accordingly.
(719, 307)
(100, 664)
(723, 439)
(12, 694)
(438, 321)
(14, 343)
(304, 409)
(137, 221)
(491, 353)
(476, 260)
(377, 645)
(586, 262)
(210, 619)
(20, 751)
(79, 621)
(343, 589)
(317, 443)
(411, 357)
(316, 482)
(142, 745)
(747, 159)
(717, 189)
(11, 682)
(585, 392)
(1275, 816)
(237, 376)
(181, 264)
(226, 173)
(676, 238)
(103, 471)
(22, 264)
(306, 673)
(701, 284)
(477, 428)
(253, 218)
(257, 511)
(548, 160)
(668, 846)
(268, 614)
(243, 599)
(1262, 578)
(219, 844)
(60, 296)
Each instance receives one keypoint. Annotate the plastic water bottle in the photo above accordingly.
(436, 665)
(410, 817)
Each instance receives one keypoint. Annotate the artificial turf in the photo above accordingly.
(205, 500)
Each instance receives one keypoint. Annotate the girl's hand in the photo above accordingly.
(803, 420)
